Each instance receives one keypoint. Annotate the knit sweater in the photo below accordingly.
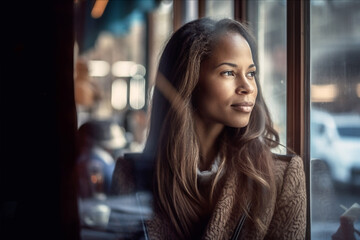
(284, 216)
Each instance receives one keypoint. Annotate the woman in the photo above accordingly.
(211, 135)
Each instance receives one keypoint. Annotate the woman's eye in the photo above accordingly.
(251, 74)
(228, 73)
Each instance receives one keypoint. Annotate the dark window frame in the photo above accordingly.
(298, 88)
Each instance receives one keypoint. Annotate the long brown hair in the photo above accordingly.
(173, 142)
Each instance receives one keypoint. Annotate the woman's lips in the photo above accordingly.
(245, 107)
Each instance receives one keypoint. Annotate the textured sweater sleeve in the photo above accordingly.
(289, 219)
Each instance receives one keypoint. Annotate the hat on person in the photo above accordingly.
(106, 133)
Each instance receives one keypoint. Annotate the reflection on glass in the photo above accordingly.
(219, 9)
(123, 68)
(268, 20)
(98, 68)
(117, 44)
(137, 92)
(191, 10)
(335, 119)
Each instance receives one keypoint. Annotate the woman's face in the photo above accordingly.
(226, 91)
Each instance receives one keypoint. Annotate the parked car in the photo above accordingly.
(335, 139)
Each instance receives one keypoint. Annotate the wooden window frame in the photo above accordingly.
(240, 10)
(179, 12)
(298, 87)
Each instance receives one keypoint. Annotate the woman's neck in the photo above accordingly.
(208, 134)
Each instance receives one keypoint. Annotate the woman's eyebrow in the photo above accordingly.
(227, 63)
(252, 66)
(234, 65)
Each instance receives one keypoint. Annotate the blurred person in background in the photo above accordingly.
(135, 123)
(99, 144)
(87, 93)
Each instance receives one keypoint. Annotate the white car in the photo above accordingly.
(335, 139)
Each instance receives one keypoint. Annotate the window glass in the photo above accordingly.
(219, 8)
(117, 47)
(190, 10)
(335, 117)
(268, 21)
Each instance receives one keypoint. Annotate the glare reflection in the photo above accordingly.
(99, 8)
(123, 68)
(137, 92)
(98, 68)
(119, 94)
(323, 93)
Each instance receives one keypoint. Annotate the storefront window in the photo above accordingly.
(335, 117)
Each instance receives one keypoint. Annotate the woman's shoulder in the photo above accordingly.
(289, 167)
(289, 218)
(283, 162)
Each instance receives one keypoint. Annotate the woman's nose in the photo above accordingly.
(244, 86)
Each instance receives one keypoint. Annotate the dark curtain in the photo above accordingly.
(38, 121)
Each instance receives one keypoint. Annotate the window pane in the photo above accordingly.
(268, 20)
(191, 10)
(219, 9)
(335, 114)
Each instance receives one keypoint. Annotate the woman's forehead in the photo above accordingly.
(229, 38)
(230, 46)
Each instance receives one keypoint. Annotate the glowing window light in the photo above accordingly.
(137, 92)
(123, 68)
(99, 8)
(119, 94)
(138, 69)
(98, 68)
(323, 93)
(358, 90)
